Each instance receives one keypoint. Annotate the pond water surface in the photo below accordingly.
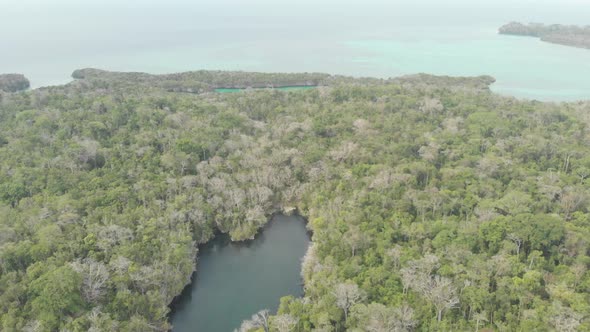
(282, 88)
(235, 280)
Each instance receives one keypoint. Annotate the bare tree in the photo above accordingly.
(376, 317)
(347, 294)
(362, 127)
(578, 269)
(33, 326)
(111, 236)
(565, 319)
(479, 317)
(284, 323)
(452, 125)
(100, 322)
(418, 272)
(583, 173)
(88, 151)
(346, 152)
(431, 106)
(395, 254)
(517, 242)
(442, 294)
(356, 239)
(429, 152)
(94, 278)
(572, 199)
(383, 319)
(404, 318)
(258, 320)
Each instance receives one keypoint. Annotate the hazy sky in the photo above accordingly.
(310, 7)
(43, 14)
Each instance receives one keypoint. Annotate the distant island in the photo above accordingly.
(13, 82)
(204, 81)
(569, 35)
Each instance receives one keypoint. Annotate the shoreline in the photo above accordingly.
(498, 88)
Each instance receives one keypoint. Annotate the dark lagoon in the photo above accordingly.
(235, 280)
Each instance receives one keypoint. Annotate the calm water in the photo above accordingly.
(47, 40)
(235, 280)
(282, 88)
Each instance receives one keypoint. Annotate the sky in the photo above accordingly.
(23, 8)
(67, 15)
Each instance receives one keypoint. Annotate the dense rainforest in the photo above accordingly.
(569, 35)
(435, 205)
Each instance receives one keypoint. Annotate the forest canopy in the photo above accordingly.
(435, 205)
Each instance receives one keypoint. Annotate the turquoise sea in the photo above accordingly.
(47, 40)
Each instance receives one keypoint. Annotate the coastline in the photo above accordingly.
(566, 35)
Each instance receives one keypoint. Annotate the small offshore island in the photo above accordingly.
(569, 35)
(13, 82)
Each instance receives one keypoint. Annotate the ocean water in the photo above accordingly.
(47, 40)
